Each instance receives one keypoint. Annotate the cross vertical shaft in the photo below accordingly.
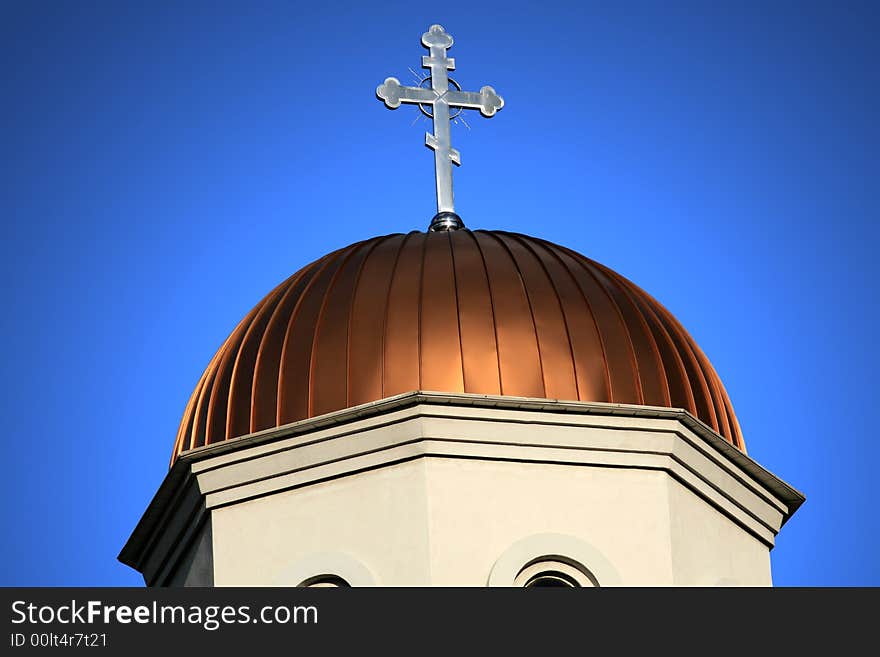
(441, 140)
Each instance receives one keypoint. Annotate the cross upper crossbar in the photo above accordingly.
(393, 93)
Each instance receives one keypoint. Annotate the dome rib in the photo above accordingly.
(239, 406)
(264, 379)
(713, 382)
(328, 361)
(517, 342)
(439, 337)
(419, 308)
(554, 344)
(630, 346)
(680, 393)
(647, 370)
(382, 351)
(368, 312)
(373, 246)
(523, 286)
(736, 437)
(200, 419)
(217, 412)
(184, 432)
(218, 401)
(401, 353)
(464, 382)
(656, 379)
(481, 312)
(493, 351)
(589, 318)
(695, 372)
(625, 386)
(558, 300)
(294, 372)
(199, 409)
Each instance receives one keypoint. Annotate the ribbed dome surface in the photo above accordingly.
(464, 311)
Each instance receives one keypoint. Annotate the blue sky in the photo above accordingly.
(166, 164)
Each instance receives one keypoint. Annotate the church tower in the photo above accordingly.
(459, 408)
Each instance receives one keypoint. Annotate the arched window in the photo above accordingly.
(556, 560)
(325, 581)
(554, 571)
(325, 569)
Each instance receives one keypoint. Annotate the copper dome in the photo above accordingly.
(484, 312)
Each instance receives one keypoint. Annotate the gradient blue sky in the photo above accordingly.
(166, 164)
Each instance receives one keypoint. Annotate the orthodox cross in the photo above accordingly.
(440, 98)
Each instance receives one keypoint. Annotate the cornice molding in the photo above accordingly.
(443, 425)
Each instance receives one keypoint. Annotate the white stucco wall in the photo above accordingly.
(446, 522)
(377, 517)
(709, 549)
(478, 509)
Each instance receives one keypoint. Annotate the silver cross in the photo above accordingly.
(441, 98)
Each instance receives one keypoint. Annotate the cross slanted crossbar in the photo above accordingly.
(440, 97)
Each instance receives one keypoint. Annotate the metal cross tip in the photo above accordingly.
(441, 98)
